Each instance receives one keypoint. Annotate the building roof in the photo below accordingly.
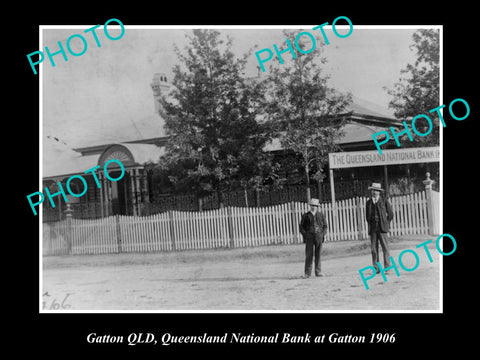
(356, 132)
(353, 132)
(60, 161)
(144, 153)
(369, 108)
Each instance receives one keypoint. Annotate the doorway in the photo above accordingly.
(121, 194)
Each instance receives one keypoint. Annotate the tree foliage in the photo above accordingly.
(304, 109)
(418, 89)
(215, 141)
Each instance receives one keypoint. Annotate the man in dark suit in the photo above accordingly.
(313, 227)
(379, 214)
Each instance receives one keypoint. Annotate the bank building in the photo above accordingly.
(137, 194)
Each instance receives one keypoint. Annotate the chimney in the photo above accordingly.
(160, 86)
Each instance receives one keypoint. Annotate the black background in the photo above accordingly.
(64, 335)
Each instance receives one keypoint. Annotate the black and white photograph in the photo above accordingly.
(219, 169)
(240, 179)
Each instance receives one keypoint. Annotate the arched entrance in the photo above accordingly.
(122, 197)
(121, 194)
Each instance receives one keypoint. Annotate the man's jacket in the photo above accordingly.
(307, 225)
(384, 211)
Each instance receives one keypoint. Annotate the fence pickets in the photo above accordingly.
(228, 227)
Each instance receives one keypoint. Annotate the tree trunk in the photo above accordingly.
(308, 194)
(245, 192)
(221, 204)
(307, 177)
(319, 188)
(320, 181)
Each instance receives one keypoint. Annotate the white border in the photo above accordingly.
(40, 181)
(441, 167)
(244, 27)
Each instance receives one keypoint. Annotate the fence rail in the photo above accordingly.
(227, 227)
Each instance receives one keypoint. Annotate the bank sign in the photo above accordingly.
(349, 159)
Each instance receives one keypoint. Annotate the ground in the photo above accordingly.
(263, 278)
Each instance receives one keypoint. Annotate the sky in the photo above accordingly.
(104, 95)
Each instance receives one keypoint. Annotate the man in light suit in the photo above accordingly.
(313, 227)
(379, 214)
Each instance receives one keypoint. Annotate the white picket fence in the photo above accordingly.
(225, 228)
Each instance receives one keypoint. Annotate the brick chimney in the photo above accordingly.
(160, 86)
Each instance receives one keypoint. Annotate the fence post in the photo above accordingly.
(257, 197)
(428, 191)
(172, 232)
(293, 222)
(69, 232)
(359, 218)
(230, 226)
(118, 233)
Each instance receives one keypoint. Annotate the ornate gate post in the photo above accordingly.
(69, 230)
(428, 191)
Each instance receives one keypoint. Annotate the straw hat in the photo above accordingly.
(315, 202)
(376, 186)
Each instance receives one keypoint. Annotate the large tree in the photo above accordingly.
(418, 88)
(215, 141)
(305, 108)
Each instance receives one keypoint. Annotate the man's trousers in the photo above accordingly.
(376, 237)
(313, 247)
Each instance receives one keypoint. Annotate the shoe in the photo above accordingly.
(305, 276)
(319, 274)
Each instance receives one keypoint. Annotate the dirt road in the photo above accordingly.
(266, 278)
